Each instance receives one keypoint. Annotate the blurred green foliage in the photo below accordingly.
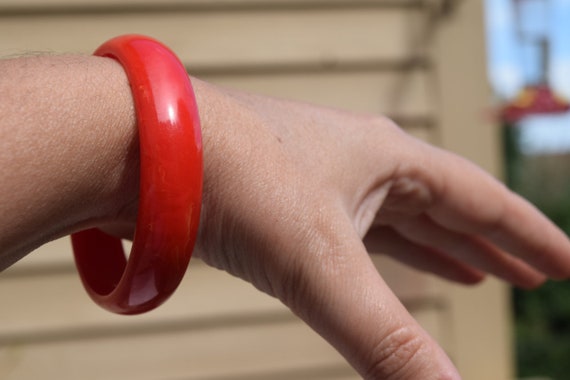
(542, 316)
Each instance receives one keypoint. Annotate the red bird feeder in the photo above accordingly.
(534, 100)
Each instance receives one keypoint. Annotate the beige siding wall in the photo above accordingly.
(400, 58)
(481, 318)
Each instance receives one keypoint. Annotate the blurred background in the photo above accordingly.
(529, 70)
(477, 77)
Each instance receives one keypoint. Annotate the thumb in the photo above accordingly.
(340, 294)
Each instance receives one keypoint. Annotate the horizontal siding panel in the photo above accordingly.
(46, 307)
(395, 94)
(227, 39)
(437, 322)
(114, 4)
(55, 256)
(223, 353)
(417, 289)
(333, 372)
(423, 131)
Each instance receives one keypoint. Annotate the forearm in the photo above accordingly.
(68, 151)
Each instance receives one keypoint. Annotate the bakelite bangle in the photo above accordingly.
(170, 186)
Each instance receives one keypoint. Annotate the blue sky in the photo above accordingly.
(513, 63)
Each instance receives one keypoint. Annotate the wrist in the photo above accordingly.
(110, 182)
(68, 148)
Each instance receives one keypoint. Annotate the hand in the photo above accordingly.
(291, 191)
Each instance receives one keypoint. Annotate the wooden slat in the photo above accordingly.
(333, 372)
(221, 352)
(437, 322)
(55, 256)
(403, 96)
(46, 307)
(360, 91)
(110, 5)
(228, 39)
(425, 132)
(416, 289)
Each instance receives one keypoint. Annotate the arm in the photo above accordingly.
(67, 150)
(295, 196)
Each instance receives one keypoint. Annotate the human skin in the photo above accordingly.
(296, 197)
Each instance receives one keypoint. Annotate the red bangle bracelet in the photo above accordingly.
(170, 186)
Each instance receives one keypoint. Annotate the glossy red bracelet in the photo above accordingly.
(170, 186)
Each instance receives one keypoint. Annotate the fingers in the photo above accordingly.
(540, 243)
(469, 201)
(470, 250)
(339, 293)
(387, 241)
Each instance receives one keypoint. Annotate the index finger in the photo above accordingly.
(469, 200)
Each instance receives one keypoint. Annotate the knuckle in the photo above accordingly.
(405, 354)
(383, 126)
(396, 356)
